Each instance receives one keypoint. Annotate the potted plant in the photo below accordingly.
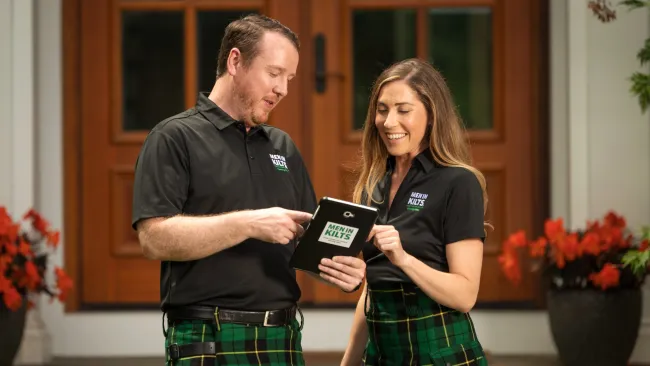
(24, 248)
(593, 280)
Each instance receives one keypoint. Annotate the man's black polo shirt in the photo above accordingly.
(202, 162)
(434, 206)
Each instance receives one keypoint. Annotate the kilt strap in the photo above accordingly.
(270, 318)
(189, 350)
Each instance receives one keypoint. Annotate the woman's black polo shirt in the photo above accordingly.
(202, 162)
(434, 206)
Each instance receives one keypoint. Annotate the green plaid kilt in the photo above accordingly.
(406, 327)
(237, 344)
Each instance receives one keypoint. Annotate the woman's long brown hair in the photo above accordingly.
(448, 141)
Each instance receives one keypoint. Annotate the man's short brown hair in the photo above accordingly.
(244, 34)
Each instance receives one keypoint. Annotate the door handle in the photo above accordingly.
(319, 59)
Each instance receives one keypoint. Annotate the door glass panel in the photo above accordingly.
(379, 38)
(152, 67)
(460, 47)
(211, 26)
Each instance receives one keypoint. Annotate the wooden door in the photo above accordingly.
(131, 63)
(487, 51)
(140, 62)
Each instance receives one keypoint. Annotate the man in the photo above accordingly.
(219, 198)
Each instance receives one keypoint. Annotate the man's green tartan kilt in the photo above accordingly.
(237, 344)
(406, 327)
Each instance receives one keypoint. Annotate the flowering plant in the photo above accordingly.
(24, 248)
(603, 256)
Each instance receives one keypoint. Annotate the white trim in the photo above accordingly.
(36, 345)
(22, 116)
(559, 113)
(6, 41)
(578, 114)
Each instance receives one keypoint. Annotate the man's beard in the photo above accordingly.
(248, 106)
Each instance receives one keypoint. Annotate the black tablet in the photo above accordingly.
(337, 228)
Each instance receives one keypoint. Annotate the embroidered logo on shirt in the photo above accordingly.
(279, 162)
(416, 201)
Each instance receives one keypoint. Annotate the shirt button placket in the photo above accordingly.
(253, 164)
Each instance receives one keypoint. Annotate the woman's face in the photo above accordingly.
(401, 119)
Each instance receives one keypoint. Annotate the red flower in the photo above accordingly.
(37, 220)
(12, 298)
(538, 247)
(516, 240)
(53, 239)
(29, 277)
(22, 268)
(570, 248)
(606, 240)
(24, 249)
(591, 244)
(5, 284)
(609, 276)
(554, 230)
(10, 249)
(614, 220)
(510, 265)
(63, 282)
(644, 245)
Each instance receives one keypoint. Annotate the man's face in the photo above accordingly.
(264, 83)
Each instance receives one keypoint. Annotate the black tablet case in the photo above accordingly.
(311, 249)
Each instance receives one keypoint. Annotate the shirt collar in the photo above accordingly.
(219, 118)
(424, 160)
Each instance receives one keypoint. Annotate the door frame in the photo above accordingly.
(72, 24)
(72, 144)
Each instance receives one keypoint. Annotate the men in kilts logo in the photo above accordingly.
(219, 197)
(424, 260)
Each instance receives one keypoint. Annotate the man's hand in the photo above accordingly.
(387, 240)
(345, 272)
(277, 225)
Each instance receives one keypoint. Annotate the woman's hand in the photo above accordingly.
(387, 240)
(345, 272)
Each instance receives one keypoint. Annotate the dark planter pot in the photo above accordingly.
(595, 328)
(12, 324)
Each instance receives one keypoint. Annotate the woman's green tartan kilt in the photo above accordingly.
(406, 327)
(237, 344)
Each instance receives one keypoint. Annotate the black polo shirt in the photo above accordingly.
(202, 162)
(434, 206)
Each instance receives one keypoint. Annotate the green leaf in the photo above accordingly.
(634, 4)
(644, 54)
(637, 261)
(641, 89)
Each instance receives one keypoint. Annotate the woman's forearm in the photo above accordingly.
(358, 334)
(451, 290)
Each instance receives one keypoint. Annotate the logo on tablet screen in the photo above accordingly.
(416, 201)
(279, 162)
(337, 234)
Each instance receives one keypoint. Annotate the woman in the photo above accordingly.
(424, 260)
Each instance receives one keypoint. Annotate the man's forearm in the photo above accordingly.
(184, 238)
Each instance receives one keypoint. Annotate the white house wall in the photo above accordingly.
(600, 159)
